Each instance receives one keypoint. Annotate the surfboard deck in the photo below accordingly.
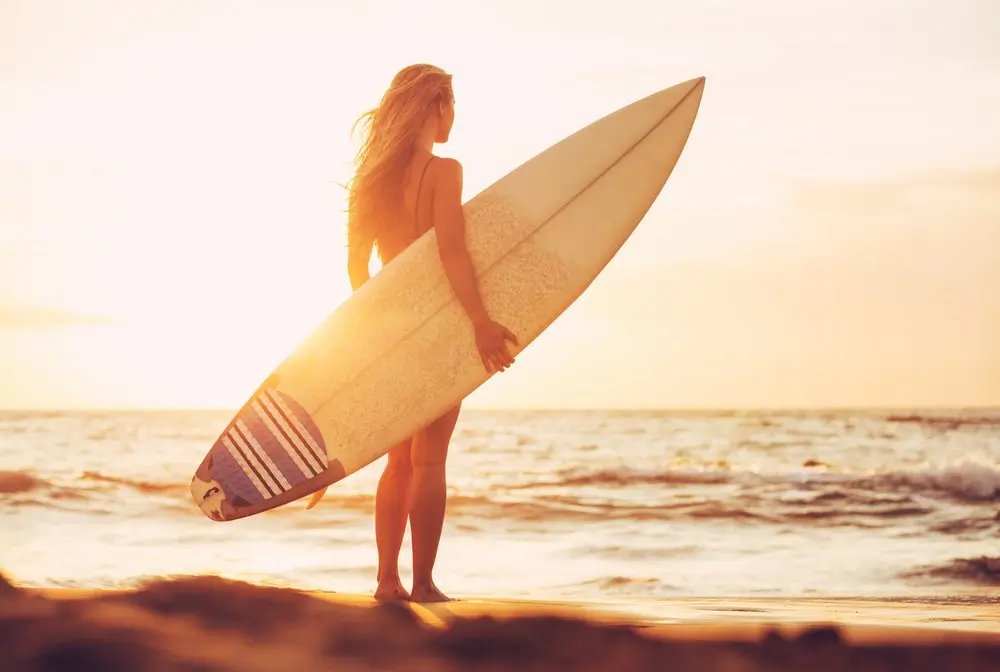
(401, 351)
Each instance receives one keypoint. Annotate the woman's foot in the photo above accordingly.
(391, 590)
(428, 593)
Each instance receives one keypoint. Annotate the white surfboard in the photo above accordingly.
(401, 351)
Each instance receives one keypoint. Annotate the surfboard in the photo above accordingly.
(401, 351)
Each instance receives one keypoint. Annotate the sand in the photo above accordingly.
(207, 623)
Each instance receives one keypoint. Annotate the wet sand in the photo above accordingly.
(207, 623)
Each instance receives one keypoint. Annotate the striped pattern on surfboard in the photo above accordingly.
(287, 429)
(270, 447)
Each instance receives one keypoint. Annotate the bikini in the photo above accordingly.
(416, 207)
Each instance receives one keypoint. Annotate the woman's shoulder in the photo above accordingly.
(443, 169)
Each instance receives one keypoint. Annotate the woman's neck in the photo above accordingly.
(425, 139)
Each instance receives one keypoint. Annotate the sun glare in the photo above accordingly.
(174, 168)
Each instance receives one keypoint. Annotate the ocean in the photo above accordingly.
(586, 505)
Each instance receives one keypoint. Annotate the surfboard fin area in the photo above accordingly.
(314, 499)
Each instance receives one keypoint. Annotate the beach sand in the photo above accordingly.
(208, 623)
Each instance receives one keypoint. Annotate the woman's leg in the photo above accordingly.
(392, 501)
(427, 502)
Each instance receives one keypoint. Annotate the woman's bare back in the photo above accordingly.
(418, 210)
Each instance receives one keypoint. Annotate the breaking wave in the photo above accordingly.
(983, 571)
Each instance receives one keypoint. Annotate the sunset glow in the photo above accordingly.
(171, 223)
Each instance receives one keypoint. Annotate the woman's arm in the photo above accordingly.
(449, 221)
(359, 253)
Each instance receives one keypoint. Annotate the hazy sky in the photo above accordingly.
(831, 235)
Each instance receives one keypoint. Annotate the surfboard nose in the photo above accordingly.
(569, 166)
(670, 98)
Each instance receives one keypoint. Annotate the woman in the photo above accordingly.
(399, 192)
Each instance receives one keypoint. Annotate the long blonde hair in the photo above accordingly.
(388, 135)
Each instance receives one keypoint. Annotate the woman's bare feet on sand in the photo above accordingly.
(391, 591)
(428, 593)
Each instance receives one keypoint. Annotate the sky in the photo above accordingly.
(830, 236)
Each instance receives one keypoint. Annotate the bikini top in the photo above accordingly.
(416, 207)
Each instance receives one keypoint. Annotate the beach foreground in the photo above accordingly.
(208, 623)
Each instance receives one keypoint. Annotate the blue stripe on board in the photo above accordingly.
(260, 469)
(272, 446)
(302, 440)
(231, 477)
(291, 437)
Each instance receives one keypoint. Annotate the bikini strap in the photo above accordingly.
(420, 187)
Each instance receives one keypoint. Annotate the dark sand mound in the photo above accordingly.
(206, 623)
